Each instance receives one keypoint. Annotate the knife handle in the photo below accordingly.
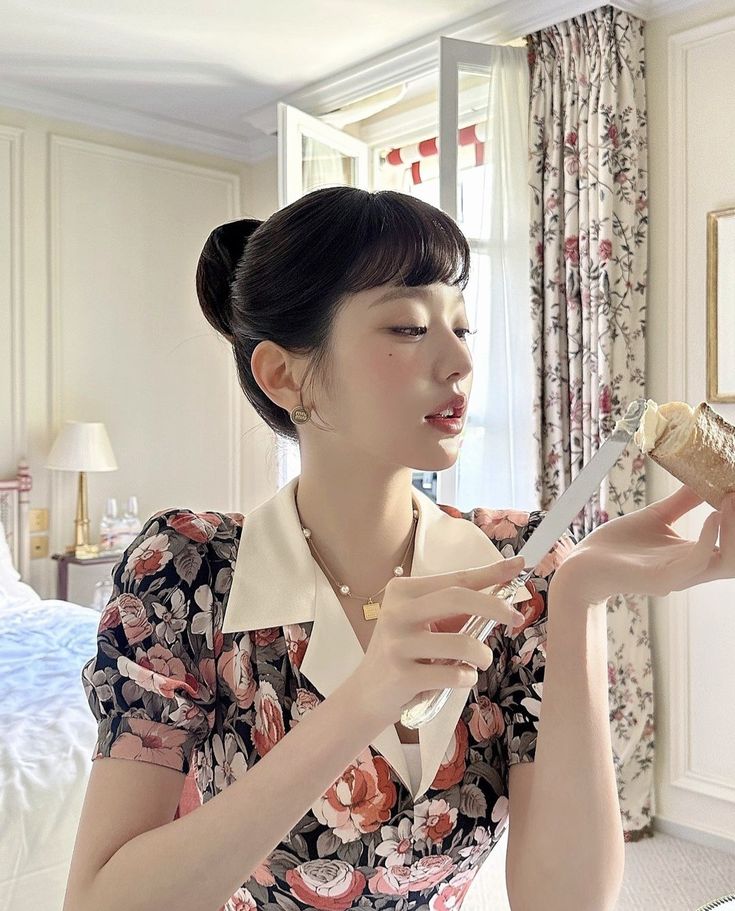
(425, 706)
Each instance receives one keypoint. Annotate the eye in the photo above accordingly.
(407, 330)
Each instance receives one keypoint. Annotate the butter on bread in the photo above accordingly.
(696, 446)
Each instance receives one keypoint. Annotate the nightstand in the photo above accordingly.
(64, 560)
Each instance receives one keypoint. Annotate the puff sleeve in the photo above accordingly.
(516, 685)
(152, 683)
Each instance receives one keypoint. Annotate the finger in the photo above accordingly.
(706, 562)
(727, 528)
(677, 504)
(476, 577)
(708, 534)
(492, 607)
(703, 553)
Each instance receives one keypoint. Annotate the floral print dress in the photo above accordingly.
(168, 687)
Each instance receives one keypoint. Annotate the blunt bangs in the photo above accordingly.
(399, 240)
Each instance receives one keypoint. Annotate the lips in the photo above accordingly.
(457, 403)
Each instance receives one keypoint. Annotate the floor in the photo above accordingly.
(662, 873)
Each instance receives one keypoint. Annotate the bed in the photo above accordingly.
(46, 735)
(46, 728)
(47, 731)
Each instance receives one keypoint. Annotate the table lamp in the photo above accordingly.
(82, 446)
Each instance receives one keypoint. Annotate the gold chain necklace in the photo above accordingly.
(370, 609)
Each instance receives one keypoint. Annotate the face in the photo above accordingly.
(395, 361)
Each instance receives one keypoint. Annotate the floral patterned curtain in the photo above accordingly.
(588, 244)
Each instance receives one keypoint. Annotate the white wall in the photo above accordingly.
(100, 237)
(690, 60)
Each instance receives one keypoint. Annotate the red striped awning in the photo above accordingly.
(421, 159)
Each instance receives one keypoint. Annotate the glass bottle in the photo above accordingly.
(108, 525)
(130, 524)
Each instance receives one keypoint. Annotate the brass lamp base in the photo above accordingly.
(81, 546)
(83, 550)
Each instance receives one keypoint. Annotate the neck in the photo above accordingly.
(359, 530)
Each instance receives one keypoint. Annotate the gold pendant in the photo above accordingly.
(371, 610)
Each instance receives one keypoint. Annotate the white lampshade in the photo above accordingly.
(82, 446)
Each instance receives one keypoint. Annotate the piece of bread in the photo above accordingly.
(696, 446)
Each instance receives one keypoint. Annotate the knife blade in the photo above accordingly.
(559, 517)
(422, 708)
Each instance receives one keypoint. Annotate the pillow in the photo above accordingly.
(8, 572)
(12, 590)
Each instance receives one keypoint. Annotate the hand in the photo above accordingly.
(417, 646)
(640, 553)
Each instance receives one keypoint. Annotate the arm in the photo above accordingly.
(199, 860)
(567, 849)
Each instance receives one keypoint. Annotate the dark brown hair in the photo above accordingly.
(286, 278)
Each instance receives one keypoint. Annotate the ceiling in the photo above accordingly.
(208, 75)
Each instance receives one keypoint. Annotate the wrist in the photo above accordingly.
(365, 701)
(571, 581)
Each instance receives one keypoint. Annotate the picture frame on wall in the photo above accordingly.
(721, 305)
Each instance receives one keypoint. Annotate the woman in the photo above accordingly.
(272, 654)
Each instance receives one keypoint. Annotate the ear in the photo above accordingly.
(272, 368)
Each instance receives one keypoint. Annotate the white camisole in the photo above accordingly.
(413, 760)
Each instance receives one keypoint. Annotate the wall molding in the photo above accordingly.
(682, 775)
(18, 443)
(720, 842)
(503, 21)
(57, 145)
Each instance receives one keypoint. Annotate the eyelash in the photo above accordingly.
(406, 329)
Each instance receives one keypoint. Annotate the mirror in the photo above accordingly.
(720, 309)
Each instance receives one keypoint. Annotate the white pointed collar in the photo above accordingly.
(277, 582)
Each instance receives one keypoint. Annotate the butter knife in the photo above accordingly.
(421, 709)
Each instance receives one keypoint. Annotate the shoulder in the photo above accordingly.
(506, 526)
(199, 527)
(178, 523)
(175, 544)
(173, 576)
(510, 528)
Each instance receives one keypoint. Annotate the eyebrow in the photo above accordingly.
(407, 291)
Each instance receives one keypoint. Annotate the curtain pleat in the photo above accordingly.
(588, 246)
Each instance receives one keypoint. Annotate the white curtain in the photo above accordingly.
(497, 461)
(321, 167)
(324, 166)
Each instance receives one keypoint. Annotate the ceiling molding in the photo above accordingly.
(132, 123)
(654, 9)
(504, 21)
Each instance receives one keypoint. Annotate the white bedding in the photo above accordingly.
(47, 734)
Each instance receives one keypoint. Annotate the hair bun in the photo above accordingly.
(228, 241)
(216, 268)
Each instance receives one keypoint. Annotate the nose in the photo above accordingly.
(464, 361)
